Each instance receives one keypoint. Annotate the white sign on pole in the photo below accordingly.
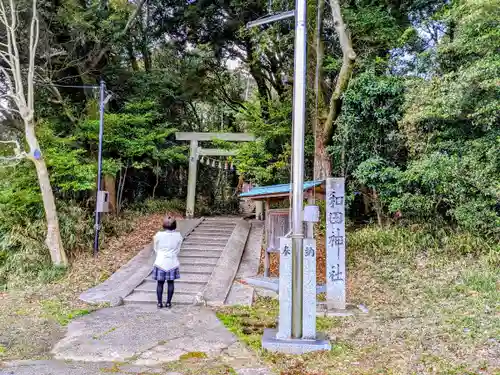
(335, 244)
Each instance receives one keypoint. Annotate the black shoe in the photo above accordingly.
(168, 305)
(160, 306)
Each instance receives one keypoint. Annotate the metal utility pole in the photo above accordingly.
(97, 225)
(298, 135)
(296, 333)
(299, 114)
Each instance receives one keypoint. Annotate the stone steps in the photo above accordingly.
(198, 261)
(186, 277)
(141, 298)
(202, 247)
(197, 269)
(214, 232)
(217, 226)
(209, 237)
(183, 287)
(199, 255)
(213, 243)
(222, 218)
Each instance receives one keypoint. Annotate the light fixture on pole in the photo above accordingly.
(272, 18)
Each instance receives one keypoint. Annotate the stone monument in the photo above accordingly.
(335, 244)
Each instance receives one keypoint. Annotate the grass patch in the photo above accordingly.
(193, 355)
(115, 368)
(433, 309)
(61, 312)
(248, 323)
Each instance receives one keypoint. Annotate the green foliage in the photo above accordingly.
(368, 125)
(193, 355)
(374, 29)
(248, 323)
(22, 217)
(442, 185)
(416, 135)
(462, 99)
(135, 137)
(266, 161)
(160, 206)
(70, 170)
(404, 242)
(441, 163)
(22, 241)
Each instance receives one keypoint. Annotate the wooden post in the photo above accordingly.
(191, 190)
(259, 210)
(267, 223)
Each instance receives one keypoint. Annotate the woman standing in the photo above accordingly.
(167, 244)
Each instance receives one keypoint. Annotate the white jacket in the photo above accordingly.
(167, 245)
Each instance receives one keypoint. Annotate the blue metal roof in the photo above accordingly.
(278, 189)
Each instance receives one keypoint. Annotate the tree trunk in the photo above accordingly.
(145, 43)
(131, 57)
(256, 73)
(342, 160)
(181, 180)
(348, 59)
(157, 174)
(110, 187)
(322, 160)
(53, 239)
(366, 199)
(121, 186)
(377, 205)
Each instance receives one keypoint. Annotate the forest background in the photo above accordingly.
(403, 100)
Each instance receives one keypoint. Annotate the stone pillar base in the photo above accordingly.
(323, 310)
(293, 346)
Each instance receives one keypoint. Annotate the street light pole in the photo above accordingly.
(97, 225)
(299, 114)
(298, 135)
(296, 336)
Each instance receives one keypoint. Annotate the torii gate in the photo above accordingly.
(196, 151)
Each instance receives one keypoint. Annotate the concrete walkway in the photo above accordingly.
(141, 339)
(188, 339)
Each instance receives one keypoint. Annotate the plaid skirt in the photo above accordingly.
(161, 275)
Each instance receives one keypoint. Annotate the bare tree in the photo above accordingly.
(18, 80)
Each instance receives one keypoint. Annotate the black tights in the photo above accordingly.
(170, 291)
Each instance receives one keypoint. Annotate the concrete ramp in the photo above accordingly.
(221, 280)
